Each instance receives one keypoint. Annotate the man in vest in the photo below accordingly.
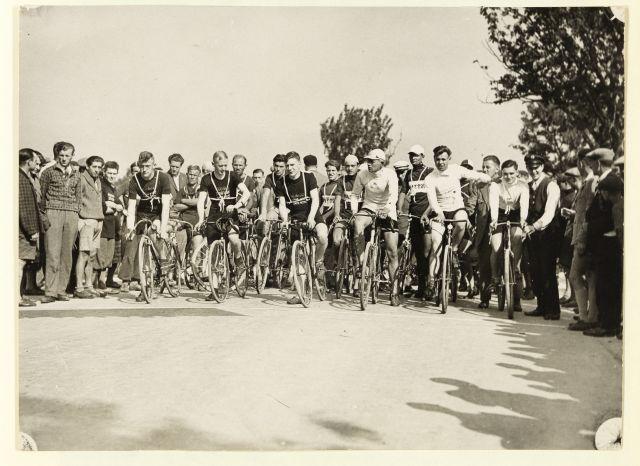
(545, 235)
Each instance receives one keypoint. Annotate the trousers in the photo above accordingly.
(59, 240)
(544, 249)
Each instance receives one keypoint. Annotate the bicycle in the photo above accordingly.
(303, 264)
(282, 260)
(346, 265)
(505, 289)
(154, 271)
(249, 253)
(371, 269)
(406, 267)
(447, 276)
(218, 262)
(264, 265)
(187, 270)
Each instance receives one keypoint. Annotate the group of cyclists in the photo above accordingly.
(357, 196)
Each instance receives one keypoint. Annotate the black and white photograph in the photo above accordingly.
(290, 228)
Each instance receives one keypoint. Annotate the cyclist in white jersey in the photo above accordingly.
(445, 202)
(508, 200)
(378, 186)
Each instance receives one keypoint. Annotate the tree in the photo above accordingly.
(564, 59)
(546, 130)
(355, 131)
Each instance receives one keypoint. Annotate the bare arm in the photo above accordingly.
(315, 203)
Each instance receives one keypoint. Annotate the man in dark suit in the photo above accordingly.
(602, 246)
(477, 206)
(30, 223)
(178, 179)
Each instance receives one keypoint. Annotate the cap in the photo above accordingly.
(207, 166)
(310, 160)
(619, 161)
(601, 154)
(416, 149)
(467, 164)
(376, 154)
(533, 160)
(401, 165)
(611, 183)
(82, 162)
(573, 171)
(351, 159)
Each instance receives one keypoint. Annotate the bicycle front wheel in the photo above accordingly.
(200, 265)
(242, 272)
(302, 278)
(376, 267)
(218, 271)
(445, 280)
(262, 265)
(281, 270)
(342, 267)
(509, 283)
(146, 268)
(368, 273)
(404, 258)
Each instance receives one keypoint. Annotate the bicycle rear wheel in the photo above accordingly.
(302, 278)
(404, 258)
(280, 262)
(241, 275)
(187, 269)
(262, 265)
(146, 268)
(200, 266)
(377, 274)
(218, 271)
(342, 267)
(171, 270)
(509, 283)
(455, 278)
(445, 280)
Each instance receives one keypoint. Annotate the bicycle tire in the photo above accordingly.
(262, 264)
(172, 274)
(342, 264)
(200, 266)
(377, 273)
(455, 277)
(302, 279)
(187, 269)
(218, 271)
(509, 283)
(146, 268)
(500, 292)
(241, 275)
(280, 261)
(366, 281)
(445, 279)
(252, 259)
(397, 287)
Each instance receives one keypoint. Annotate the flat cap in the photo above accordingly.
(416, 149)
(401, 165)
(611, 183)
(601, 153)
(376, 154)
(467, 164)
(573, 171)
(533, 160)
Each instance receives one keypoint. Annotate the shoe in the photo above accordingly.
(26, 303)
(552, 317)
(124, 287)
(97, 293)
(34, 292)
(577, 318)
(140, 298)
(483, 305)
(394, 298)
(63, 297)
(112, 284)
(294, 300)
(47, 299)
(84, 294)
(473, 292)
(535, 313)
(517, 307)
(101, 286)
(528, 294)
(600, 332)
(134, 286)
(581, 326)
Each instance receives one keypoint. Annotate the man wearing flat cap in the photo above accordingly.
(601, 244)
(545, 237)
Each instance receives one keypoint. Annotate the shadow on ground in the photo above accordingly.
(572, 394)
(145, 310)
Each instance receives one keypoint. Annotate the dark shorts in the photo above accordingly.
(147, 216)
(387, 225)
(448, 214)
(213, 233)
(303, 218)
(513, 216)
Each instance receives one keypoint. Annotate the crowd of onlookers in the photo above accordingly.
(72, 229)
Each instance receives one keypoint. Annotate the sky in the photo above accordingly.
(117, 80)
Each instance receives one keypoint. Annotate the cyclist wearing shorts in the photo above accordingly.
(415, 188)
(149, 198)
(378, 186)
(298, 199)
(508, 201)
(328, 192)
(222, 188)
(444, 193)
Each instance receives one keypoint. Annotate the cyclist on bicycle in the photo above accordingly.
(328, 192)
(267, 200)
(298, 199)
(221, 187)
(343, 196)
(508, 201)
(444, 193)
(188, 205)
(149, 198)
(378, 186)
(414, 187)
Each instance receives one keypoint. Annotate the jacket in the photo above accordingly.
(28, 211)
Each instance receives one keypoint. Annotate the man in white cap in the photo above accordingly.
(414, 187)
(378, 186)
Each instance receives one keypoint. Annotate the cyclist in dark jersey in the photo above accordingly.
(149, 198)
(328, 192)
(268, 200)
(343, 196)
